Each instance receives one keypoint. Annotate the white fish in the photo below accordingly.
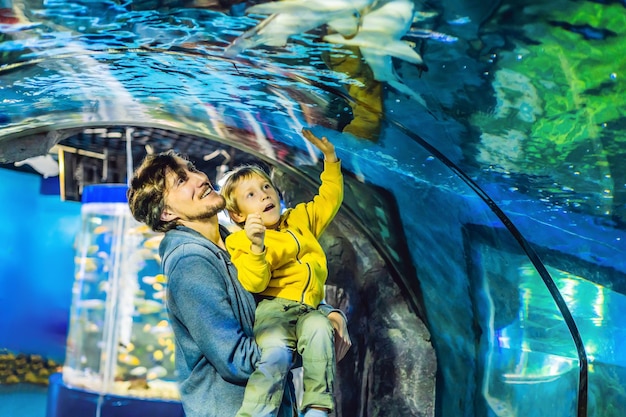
(94, 303)
(156, 372)
(139, 371)
(379, 39)
(45, 165)
(290, 17)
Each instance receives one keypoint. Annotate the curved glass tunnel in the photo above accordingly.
(490, 192)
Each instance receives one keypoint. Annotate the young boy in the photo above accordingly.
(278, 257)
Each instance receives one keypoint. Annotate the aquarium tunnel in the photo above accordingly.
(479, 254)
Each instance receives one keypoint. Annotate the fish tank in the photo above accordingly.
(120, 343)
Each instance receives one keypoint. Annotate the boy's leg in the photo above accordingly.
(313, 412)
(316, 346)
(266, 386)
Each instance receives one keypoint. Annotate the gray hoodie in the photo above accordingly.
(212, 318)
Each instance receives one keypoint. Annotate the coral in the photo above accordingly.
(28, 368)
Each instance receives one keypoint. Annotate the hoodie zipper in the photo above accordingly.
(308, 267)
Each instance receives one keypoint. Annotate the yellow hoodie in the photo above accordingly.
(293, 265)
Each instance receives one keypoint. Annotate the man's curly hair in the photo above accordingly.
(146, 193)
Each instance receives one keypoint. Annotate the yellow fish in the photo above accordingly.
(149, 306)
(100, 230)
(86, 264)
(128, 359)
(157, 279)
(153, 242)
(92, 249)
(141, 229)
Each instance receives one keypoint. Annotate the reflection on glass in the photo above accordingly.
(529, 353)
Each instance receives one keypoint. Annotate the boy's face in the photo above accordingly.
(256, 195)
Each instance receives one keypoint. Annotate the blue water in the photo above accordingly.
(23, 401)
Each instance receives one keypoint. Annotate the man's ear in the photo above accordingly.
(168, 216)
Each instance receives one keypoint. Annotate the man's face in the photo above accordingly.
(189, 196)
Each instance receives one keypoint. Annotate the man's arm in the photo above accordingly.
(202, 300)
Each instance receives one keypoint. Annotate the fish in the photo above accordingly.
(156, 372)
(151, 280)
(380, 38)
(162, 330)
(148, 306)
(93, 303)
(98, 230)
(104, 286)
(153, 242)
(45, 165)
(139, 371)
(291, 17)
(430, 34)
(128, 359)
(157, 355)
(587, 31)
(86, 265)
(140, 229)
(92, 249)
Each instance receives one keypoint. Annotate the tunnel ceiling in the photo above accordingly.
(523, 99)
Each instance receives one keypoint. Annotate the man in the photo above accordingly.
(210, 312)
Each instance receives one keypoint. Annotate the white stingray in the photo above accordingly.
(379, 39)
(290, 17)
(46, 165)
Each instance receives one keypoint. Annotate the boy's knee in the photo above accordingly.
(278, 357)
(317, 325)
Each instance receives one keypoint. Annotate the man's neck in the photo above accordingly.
(209, 228)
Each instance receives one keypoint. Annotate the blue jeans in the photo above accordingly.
(281, 328)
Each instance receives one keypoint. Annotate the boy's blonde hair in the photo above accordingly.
(232, 180)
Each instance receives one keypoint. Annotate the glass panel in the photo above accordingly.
(496, 327)
(599, 313)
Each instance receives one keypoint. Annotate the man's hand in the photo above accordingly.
(342, 338)
(327, 148)
(255, 230)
